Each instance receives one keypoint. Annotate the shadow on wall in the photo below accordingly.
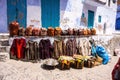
(63, 6)
(34, 2)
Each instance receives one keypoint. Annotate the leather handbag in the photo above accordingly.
(13, 28)
(50, 31)
(35, 31)
(58, 31)
(75, 31)
(64, 32)
(93, 31)
(21, 31)
(28, 31)
(43, 32)
(70, 31)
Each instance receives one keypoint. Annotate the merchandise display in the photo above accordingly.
(58, 31)
(13, 28)
(63, 51)
(36, 32)
(21, 31)
(28, 31)
(50, 31)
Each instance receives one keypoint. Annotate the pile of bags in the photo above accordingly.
(16, 30)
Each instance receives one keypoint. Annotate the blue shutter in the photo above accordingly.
(90, 19)
(99, 19)
(22, 12)
(50, 13)
(17, 10)
(11, 10)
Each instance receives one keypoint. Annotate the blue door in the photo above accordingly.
(117, 26)
(90, 19)
(11, 10)
(17, 10)
(50, 10)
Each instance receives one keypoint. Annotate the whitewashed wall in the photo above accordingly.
(70, 14)
(3, 16)
(108, 17)
(34, 13)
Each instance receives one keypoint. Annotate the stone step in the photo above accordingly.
(4, 56)
(4, 35)
(4, 48)
(4, 42)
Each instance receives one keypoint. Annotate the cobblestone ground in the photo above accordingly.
(20, 70)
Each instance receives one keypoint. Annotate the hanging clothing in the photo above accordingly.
(71, 47)
(45, 48)
(32, 50)
(84, 47)
(59, 48)
(18, 48)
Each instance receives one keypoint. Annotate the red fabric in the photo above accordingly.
(18, 48)
(115, 68)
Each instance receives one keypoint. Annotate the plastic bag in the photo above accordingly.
(100, 50)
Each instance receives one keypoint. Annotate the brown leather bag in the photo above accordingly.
(70, 31)
(85, 32)
(64, 32)
(50, 31)
(13, 28)
(21, 31)
(75, 31)
(43, 32)
(80, 31)
(28, 31)
(58, 31)
(93, 31)
(89, 31)
(36, 32)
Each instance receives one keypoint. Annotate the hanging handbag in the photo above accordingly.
(50, 31)
(21, 31)
(58, 31)
(28, 31)
(43, 32)
(13, 28)
(35, 31)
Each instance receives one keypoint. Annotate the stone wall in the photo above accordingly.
(110, 42)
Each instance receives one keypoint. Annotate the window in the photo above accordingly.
(109, 2)
(17, 10)
(114, 1)
(117, 26)
(83, 15)
(99, 19)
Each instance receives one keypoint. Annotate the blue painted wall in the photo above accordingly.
(3, 16)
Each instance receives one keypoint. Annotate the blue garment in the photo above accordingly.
(103, 54)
